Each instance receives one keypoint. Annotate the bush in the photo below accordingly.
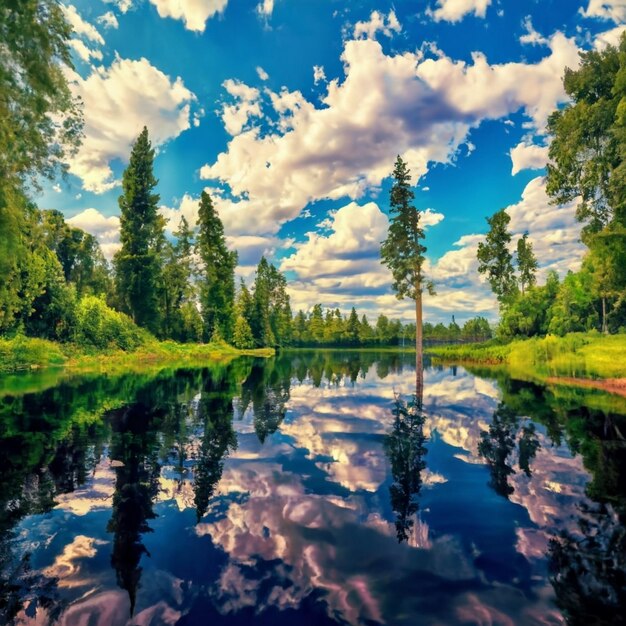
(101, 327)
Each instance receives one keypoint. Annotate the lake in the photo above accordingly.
(310, 489)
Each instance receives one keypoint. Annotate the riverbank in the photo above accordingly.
(575, 357)
(28, 353)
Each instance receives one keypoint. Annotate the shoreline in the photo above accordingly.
(25, 354)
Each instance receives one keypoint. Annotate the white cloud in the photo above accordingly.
(108, 20)
(614, 10)
(609, 37)
(194, 13)
(105, 229)
(122, 5)
(56, 188)
(80, 27)
(420, 108)
(236, 116)
(85, 52)
(456, 10)
(319, 74)
(265, 8)
(188, 208)
(378, 23)
(263, 75)
(528, 156)
(531, 36)
(118, 102)
(553, 230)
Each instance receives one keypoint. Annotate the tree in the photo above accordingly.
(178, 289)
(138, 271)
(217, 281)
(588, 164)
(495, 260)
(526, 262)
(352, 328)
(242, 333)
(403, 253)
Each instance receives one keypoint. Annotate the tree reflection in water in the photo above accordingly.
(137, 470)
(405, 448)
(498, 443)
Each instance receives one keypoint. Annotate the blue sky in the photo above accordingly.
(291, 113)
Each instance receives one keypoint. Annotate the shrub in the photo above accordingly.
(101, 327)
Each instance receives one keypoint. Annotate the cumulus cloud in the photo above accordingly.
(118, 102)
(456, 10)
(614, 10)
(528, 156)
(387, 104)
(531, 36)
(105, 229)
(193, 13)
(86, 35)
(553, 230)
(108, 20)
(265, 8)
(80, 26)
(85, 52)
(187, 208)
(263, 75)
(378, 23)
(122, 5)
(246, 106)
(319, 75)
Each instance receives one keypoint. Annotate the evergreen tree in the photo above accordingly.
(242, 333)
(217, 275)
(403, 251)
(526, 263)
(365, 331)
(138, 271)
(352, 328)
(495, 260)
(178, 289)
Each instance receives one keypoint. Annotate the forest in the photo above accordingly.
(58, 285)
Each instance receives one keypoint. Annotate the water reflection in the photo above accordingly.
(405, 449)
(296, 490)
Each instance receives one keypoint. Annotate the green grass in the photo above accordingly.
(578, 355)
(28, 353)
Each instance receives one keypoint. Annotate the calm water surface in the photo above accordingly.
(295, 492)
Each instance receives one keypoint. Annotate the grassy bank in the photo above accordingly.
(577, 355)
(27, 353)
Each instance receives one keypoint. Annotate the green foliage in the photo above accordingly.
(26, 352)
(495, 260)
(138, 272)
(526, 263)
(99, 326)
(242, 335)
(270, 319)
(40, 121)
(573, 309)
(217, 273)
(402, 251)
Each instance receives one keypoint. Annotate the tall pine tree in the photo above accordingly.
(138, 272)
(403, 253)
(217, 274)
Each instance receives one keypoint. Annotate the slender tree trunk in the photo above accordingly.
(605, 328)
(419, 348)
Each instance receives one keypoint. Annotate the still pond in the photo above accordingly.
(302, 490)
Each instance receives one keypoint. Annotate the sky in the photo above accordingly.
(291, 113)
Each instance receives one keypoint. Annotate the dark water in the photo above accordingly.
(296, 491)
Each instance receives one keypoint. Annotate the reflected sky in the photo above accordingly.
(262, 494)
